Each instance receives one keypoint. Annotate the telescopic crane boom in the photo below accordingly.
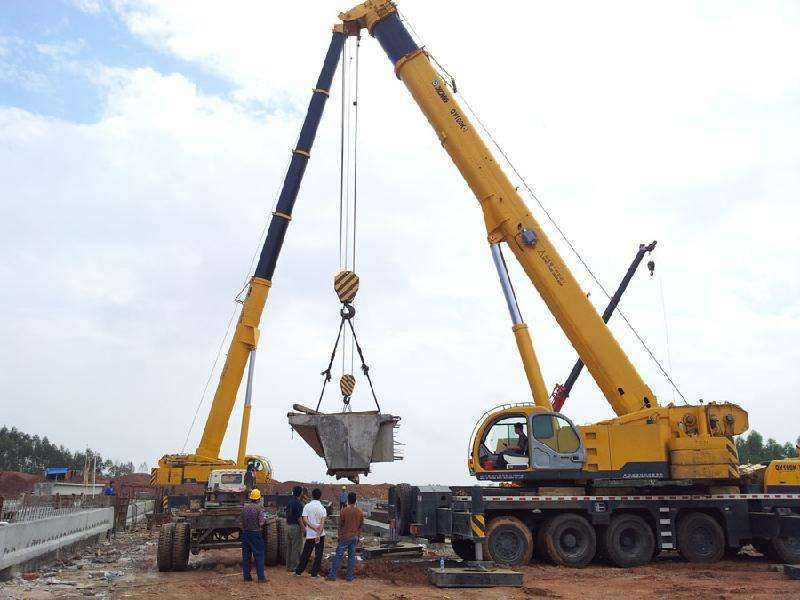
(180, 468)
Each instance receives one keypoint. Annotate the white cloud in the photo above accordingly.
(88, 6)
(61, 49)
(129, 237)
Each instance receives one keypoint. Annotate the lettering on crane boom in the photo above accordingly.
(785, 467)
(457, 117)
(439, 91)
(551, 266)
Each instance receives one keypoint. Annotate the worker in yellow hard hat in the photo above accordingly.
(253, 518)
(343, 498)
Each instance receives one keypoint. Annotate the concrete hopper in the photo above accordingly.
(348, 441)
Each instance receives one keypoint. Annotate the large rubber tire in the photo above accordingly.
(281, 541)
(628, 541)
(570, 540)
(784, 550)
(700, 538)
(164, 548)
(508, 542)
(403, 508)
(541, 553)
(271, 542)
(464, 549)
(180, 546)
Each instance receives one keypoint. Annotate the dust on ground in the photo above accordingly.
(125, 568)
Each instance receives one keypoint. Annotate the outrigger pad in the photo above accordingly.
(348, 441)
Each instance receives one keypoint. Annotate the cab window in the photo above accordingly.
(555, 432)
(230, 478)
(501, 435)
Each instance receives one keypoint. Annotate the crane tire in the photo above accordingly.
(784, 549)
(181, 539)
(570, 540)
(508, 542)
(700, 538)
(164, 548)
(281, 541)
(464, 549)
(541, 553)
(628, 541)
(271, 542)
(403, 508)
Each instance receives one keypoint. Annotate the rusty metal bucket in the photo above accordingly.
(348, 441)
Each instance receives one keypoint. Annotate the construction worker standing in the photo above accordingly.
(343, 498)
(314, 521)
(253, 518)
(295, 530)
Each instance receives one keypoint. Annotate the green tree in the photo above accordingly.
(753, 450)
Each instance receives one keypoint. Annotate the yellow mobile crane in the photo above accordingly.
(666, 473)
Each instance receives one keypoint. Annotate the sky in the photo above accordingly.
(142, 143)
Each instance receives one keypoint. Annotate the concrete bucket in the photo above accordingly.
(348, 441)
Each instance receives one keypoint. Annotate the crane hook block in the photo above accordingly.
(347, 384)
(346, 285)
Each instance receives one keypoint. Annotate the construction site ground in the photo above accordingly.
(124, 567)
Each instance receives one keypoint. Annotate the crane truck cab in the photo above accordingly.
(226, 487)
(518, 441)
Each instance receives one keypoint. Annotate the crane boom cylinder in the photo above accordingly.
(521, 334)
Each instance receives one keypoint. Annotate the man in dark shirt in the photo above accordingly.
(253, 519)
(522, 440)
(521, 449)
(351, 519)
(295, 533)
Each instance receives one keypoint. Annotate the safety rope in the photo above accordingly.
(448, 77)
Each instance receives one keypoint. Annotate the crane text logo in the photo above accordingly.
(439, 91)
(554, 270)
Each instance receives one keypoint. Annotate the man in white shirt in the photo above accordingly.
(314, 520)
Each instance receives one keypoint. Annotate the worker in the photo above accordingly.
(109, 489)
(250, 476)
(314, 521)
(343, 498)
(253, 518)
(295, 531)
(797, 447)
(520, 449)
(351, 520)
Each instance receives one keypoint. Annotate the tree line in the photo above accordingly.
(27, 453)
(753, 449)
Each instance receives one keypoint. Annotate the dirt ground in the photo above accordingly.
(130, 561)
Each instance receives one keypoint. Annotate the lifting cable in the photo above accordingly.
(346, 281)
(451, 80)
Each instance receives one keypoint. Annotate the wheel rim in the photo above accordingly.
(703, 540)
(630, 540)
(573, 541)
(507, 546)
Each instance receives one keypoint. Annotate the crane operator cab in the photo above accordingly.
(523, 442)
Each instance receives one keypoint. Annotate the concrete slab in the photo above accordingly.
(349, 442)
(473, 577)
